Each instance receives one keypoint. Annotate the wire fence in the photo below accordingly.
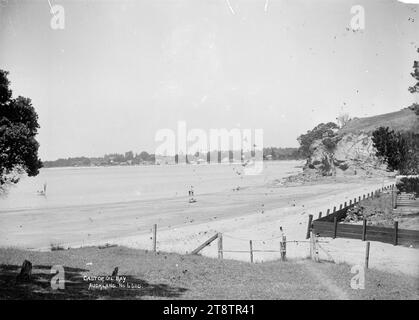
(315, 247)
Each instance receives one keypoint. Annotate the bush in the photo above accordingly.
(415, 108)
(323, 130)
(56, 247)
(399, 150)
(409, 185)
(329, 143)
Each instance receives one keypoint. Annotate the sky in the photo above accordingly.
(119, 71)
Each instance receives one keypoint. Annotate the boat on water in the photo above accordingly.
(43, 192)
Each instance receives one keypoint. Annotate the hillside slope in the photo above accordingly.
(403, 120)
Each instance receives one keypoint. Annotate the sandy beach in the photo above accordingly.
(254, 212)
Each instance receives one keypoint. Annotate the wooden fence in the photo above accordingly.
(221, 250)
(329, 226)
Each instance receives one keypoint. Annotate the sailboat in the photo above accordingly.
(44, 191)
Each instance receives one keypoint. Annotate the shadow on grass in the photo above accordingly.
(76, 287)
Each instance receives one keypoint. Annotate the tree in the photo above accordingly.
(415, 88)
(321, 131)
(129, 155)
(415, 75)
(343, 119)
(18, 128)
(144, 156)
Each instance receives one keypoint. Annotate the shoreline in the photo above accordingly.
(253, 213)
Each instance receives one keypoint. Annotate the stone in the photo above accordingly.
(354, 153)
(25, 274)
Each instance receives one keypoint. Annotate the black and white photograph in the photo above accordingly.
(209, 154)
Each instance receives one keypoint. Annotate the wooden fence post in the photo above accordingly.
(354, 200)
(359, 199)
(367, 254)
(396, 230)
(320, 214)
(345, 205)
(364, 229)
(316, 240)
(283, 248)
(206, 243)
(350, 202)
(340, 207)
(394, 199)
(310, 219)
(328, 212)
(220, 246)
(334, 209)
(251, 251)
(335, 227)
(155, 238)
(311, 246)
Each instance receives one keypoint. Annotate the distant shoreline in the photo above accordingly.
(154, 164)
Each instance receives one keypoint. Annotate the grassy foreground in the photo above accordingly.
(174, 276)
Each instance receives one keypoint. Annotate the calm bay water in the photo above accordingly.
(96, 185)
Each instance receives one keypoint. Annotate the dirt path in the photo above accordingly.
(324, 280)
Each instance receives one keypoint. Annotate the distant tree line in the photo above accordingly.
(273, 153)
(131, 158)
(112, 159)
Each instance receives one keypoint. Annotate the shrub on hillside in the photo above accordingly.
(329, 143)
(415, 108)
(399, 150)
(409, 185)
(323, 130)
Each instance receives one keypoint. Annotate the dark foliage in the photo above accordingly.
(323, 130)
(400, 150)
(415, 108)
(415, 74)
(107, 160)
(18, 128)
(329, 143)
(274, 153)
(409, 185)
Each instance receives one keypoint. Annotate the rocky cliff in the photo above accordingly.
(351, 150)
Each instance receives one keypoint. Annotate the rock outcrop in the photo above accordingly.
(351, 150)
(352, 154)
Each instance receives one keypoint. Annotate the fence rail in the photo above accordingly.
(221, 250)
(329, 226)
